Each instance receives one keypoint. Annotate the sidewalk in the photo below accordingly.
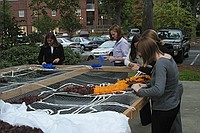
(190, 110)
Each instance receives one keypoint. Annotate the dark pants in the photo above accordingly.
(145, 114)
(162, 120)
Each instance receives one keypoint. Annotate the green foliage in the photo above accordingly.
(45, 24)
(71, 58)
(36, 37)
(19, 55)
(170, 14)
(70, 24)
(28, 54)
(8, 28)
(132, 15)
(66, 8)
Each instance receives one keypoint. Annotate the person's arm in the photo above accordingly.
(41, 56)
(160, 80)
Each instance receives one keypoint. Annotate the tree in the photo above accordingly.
(9, 28)
(66, 9)
(70, 24)
(113, 10)
(169, 14)
(131, 15)
(147, 18)
(46, 24)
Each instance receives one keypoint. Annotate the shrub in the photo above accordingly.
(19, 55)
(71, 57)
(28, 54)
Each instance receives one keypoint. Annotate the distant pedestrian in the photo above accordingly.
(51, 52)
(121, 46)
(120, 50)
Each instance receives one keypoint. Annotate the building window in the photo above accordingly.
(54, 13)
(21, 13)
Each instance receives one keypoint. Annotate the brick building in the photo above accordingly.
(88, 14)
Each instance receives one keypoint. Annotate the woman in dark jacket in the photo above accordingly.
(52, 51)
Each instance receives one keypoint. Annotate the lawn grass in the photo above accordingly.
(189, 75)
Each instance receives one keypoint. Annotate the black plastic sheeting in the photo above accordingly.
(56, 102)
(26, 76)
(67, 103)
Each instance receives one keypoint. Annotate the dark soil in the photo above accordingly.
(188, 67)
(7, 128)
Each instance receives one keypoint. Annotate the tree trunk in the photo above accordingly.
(194, 11)
(147, 20)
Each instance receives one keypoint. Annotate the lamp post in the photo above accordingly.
(102, 20)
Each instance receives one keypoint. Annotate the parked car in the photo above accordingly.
(135, 31)
(105, 49)
(65, 35)
(85, 43)
(85, 55)
(67, 42)
(97, 39)
(84, 33)
(106, 37)
(176, 40)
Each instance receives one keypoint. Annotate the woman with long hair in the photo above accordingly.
(52, 51)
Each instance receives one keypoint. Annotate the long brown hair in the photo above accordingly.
(53, 37)
(117, 29)
(147, 49)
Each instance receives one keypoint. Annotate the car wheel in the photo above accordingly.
(90, 58)
(82, 47)
(179, 58)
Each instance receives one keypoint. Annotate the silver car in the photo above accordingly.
(85, 43)
(105, 49)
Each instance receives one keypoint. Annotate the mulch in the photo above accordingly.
(189, 67)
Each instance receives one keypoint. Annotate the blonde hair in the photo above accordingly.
(153, 35)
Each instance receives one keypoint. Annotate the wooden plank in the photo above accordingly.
(37, 85)
(112, 69)
(135, 107)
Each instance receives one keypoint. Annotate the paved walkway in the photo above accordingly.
(190, 110)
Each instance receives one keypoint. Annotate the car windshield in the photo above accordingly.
(85, 39)
(108, 44)
(66, 40)
(169, 34)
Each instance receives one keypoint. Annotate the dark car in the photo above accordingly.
(84, 33)
(85, 43)
(97, 39)
(177, 41)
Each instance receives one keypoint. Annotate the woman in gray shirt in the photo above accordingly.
(165, 89)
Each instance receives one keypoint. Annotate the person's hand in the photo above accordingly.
(136, 87)
(135, 67)
(44, 63)
(56, 60)
(110, 58)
